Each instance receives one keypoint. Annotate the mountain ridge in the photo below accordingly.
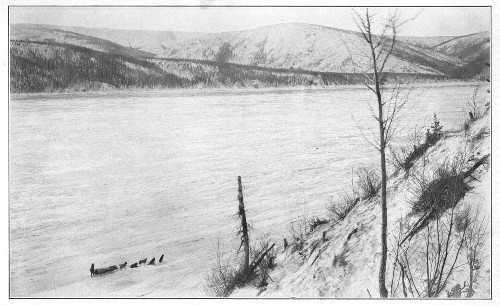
(291, 48)
(242, 30)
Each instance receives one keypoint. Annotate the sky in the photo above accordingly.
(437, 21)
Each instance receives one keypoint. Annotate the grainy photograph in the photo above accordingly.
(249, 152)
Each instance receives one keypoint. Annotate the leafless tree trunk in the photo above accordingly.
(475, 240)
(380, 48)
(244, 227)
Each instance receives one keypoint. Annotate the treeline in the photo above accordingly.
(48, 67)
(326, 78)
(214, 74)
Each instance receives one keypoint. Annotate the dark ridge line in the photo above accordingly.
(457, 37)
(285, 70)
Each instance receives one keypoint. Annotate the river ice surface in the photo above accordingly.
(108, 179)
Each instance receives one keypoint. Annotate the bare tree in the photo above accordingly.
(473, 105)
(389, 103)
(476, 232)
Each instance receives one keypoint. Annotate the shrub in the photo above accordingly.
(299, 228)
(466, 126)
(428, 262)
(263, 245)
(223, 279)
(297, 244)
(482, 133)
(443, 192)
(415, 154)
(340, 208)
(405, 158)
(455, 292)
(462, 220)
(262, 273)
(368, 182)
(399, 157)
(340, 259)
(473, 105)
(314, 223)
(476, 236)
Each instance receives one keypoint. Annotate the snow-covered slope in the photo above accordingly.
(51, 34)
(473, 50)
(148, 41)
(317, 271)
(284, 46)
(288, 45)
(304, 46)
(466, 48)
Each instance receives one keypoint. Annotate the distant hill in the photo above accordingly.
(303, 51)
(303, 46)
(50, 34)
(473, 50)
(53, 67)
(153, 42)
(466, 48)
(297, 45)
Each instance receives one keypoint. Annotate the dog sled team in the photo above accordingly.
(99, 271)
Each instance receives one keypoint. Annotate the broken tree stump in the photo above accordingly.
(244, 227)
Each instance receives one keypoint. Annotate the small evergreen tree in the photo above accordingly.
(435, 132)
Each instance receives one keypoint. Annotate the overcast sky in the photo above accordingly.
(429, 21)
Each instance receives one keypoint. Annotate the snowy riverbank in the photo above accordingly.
(315, 271)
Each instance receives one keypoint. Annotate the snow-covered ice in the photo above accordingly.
(113, 179)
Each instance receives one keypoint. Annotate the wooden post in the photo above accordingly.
(244, 227)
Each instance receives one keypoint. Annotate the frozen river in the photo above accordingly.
(109, 179)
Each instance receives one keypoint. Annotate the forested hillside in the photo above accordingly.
(49, 58)
(41, 67)
(49, 67)
(473, 50)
